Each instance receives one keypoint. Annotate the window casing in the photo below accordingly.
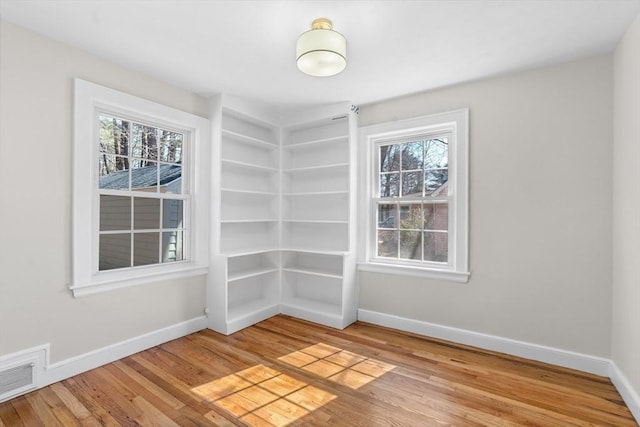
(140, 191)
(415, 180)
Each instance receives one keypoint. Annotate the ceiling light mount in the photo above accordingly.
(322, 24)
(321, 51)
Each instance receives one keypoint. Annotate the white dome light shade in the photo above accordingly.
(321, 52)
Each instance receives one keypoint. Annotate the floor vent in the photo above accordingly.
(19, 372)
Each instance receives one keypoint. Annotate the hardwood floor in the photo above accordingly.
(285, 371)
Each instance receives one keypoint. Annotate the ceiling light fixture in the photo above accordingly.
(321, 52)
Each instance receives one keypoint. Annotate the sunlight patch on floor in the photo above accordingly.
(262, 396)
(341, 366)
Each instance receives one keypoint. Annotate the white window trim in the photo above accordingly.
(457, 268)
(89, 98)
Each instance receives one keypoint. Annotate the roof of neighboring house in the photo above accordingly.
(440, 189)
(141, 177)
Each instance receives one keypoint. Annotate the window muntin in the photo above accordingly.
(412, 200)
(142, 194)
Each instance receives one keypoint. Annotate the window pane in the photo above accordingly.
(412, 183)
(388, 244)
(389, 158)
(435, 179)
(429, 216)
(114, 135)
(171, 179)
(113, 172)
(145, 142)
(436, 216)
(387, 216)
(172, 213)
(144, 175)
(436, 153)
(442, 217)
(436, 246)
(412, 155)
(411, 216)
(170, 146)
(389, 185)
(145, 248)
(146, 213)
(411, 245)
(172, 246)
(114, 251)
(115, 213)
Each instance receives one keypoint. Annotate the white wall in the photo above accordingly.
(540, 210)
(626, 208)
(36, 306)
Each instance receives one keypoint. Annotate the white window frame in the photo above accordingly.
(456, 123)
(89, 101)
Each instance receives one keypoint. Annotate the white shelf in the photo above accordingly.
(315, 193)
(332, 140)
(324, 314)
(249, 165)
(235, 221)
(250, 251)
(321, 308)
(314, 251)
(317, 168)
(260, 308)
(248, 192)
(313, 272)
(248, 139)
(251, 273)
(317, 221)
(250, 306)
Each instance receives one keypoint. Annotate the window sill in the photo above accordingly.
(108, 281)
(406, 270)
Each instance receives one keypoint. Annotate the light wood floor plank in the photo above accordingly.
(9, 415)
(26, 412)
(77, 409)
(288, 372)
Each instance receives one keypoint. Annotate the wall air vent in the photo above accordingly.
(19, 372)
(17, 378)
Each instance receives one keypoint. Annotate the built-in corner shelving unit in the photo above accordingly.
(284, 222)
(318, 265)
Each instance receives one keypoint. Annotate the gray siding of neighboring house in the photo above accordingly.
(115, 215)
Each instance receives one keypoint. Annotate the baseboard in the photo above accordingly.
(568, 359)
(630, 396)
(76, 365)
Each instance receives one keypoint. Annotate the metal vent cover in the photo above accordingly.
(16, 379)
(22, 371)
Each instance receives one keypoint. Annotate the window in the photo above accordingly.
(416, 196)
(142, 199)
(139, 168)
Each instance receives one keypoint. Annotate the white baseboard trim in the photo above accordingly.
(76, 365)
(629, 395)
(568, 359)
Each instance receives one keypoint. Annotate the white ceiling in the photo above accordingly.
(247, 48)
